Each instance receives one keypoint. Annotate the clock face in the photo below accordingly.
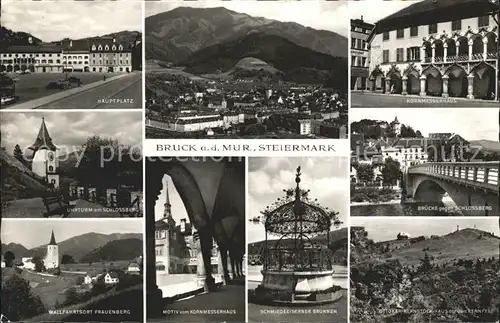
(51, 156)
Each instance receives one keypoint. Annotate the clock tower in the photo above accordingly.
(45, 162)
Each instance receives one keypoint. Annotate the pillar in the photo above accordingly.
(470, 49)
(405, 85)
(200, 266)
(374, 84)
(470, 87)
(154, 295)
(433, 53)
(423, 78)
(485, 48)
(388, 85)
(445, 86)
(445, 48)
(220, 267)
(422, 54)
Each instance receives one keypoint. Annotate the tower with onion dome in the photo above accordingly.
(45, 162)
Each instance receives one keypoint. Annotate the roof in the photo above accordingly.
(433, 11)
(52, 239)
(106, 44)
(44, 48)
(361, 23)
(43, 139)
(75, 45)
(113, 274)
(488, 145)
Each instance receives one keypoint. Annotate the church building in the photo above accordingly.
(52, 257)
(45, 160)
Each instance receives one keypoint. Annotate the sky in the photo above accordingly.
(375, 10)
(55, 20)
(470, 123)
(32, 233)
(325, 15)
(327, 178)
(384, 229)
(69, 130)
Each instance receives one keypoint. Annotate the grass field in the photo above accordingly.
(33, 86)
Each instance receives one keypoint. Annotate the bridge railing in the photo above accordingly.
(478, 174)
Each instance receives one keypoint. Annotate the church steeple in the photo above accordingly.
(43, 140)
(52, 239)
(167, 213)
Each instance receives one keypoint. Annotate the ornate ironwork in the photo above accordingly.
(303, 226)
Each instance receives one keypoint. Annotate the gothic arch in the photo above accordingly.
(484, 86)
(377, 78)
(412, 80)
(395, 80)
(462, 47)
(434, 81)
(457, 81)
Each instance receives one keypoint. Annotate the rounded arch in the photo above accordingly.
(377, 79)
(412, 81)
(477, 46)
(457, 82)
(427, 51)
(451, 51)
(395, 81)
(484, 81)
(16, 68)
(462, 48)
(438, 50)
(31, 68)
(433, 82)
(491, 37)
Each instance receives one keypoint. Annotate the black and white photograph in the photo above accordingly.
(246, 69)
(195, 239)
(437, 269)
(425, 162)
(424, 53)
(297, 239)
(71, 164)
(67, 271)
(71, 55)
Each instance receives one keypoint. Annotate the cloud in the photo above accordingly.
(375, 10)
(55, 20)
(69, 130)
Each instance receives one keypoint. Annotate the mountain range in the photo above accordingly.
(216, 40)
(87, 247)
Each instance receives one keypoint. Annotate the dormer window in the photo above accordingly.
(120, 48)
(93, 47)
(106, 48)
(100, 47)
(114, 47)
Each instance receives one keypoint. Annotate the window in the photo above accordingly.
(433, 28)
(483, 21)
(58, 61)
(400, 54)
(353, 61)
(353, 42)
(359, 44)
(386, 35)
(363, 61)
(93, 61)
(93, 47)
(86, 63)
(114, 47)
(100, 48)
(93, 69)
(400, 33)
(106, 48)
(385, 58)
(456, 25)
(413, 54)
(120, 47)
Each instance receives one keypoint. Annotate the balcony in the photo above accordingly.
(462, 58)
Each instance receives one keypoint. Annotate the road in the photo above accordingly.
(122, 93)
(378, 100)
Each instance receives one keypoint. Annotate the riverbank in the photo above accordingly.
(394, 201)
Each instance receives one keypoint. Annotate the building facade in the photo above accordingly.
(46, 58)
(360, 55)
(434, 48)
(109, 55)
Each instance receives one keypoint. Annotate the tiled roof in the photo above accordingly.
(43, 140)
(106, 44)
(44, 48)
(75, 45)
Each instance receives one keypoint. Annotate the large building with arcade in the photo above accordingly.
(437, 48)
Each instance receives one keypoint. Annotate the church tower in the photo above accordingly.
(45, 162)
(396, 126)
(52, 257)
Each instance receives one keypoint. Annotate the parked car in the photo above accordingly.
(61, 84)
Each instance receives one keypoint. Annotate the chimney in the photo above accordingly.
(361, 17)
(70, 43)
(114, 39)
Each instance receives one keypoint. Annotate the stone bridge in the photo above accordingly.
(473, 186)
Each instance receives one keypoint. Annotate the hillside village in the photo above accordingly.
(69, 273)
(450, 277)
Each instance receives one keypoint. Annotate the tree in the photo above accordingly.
(67, 259)
(391, 171)
(479, 266)
(18, 302)
(425, 265)
(72, 297)
(18, 154)
(9, 258)
(418, 134)
(365, 172)
(39, 264)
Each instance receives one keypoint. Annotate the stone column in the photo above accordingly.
(485, 48)
(388, 85)
(220, 267)
(445, 86)
(470, 49)
(445, 48)
(433, 53)
(200, 266)
(404, 83)
(153, 293)
(470, 88)
(422, 54)
(423, 78)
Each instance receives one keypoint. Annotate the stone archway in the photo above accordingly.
(413, 82)
(213, 193)
(484, 86)
(378, 80)
(395, 82)
(457, 81)
(433, 81)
